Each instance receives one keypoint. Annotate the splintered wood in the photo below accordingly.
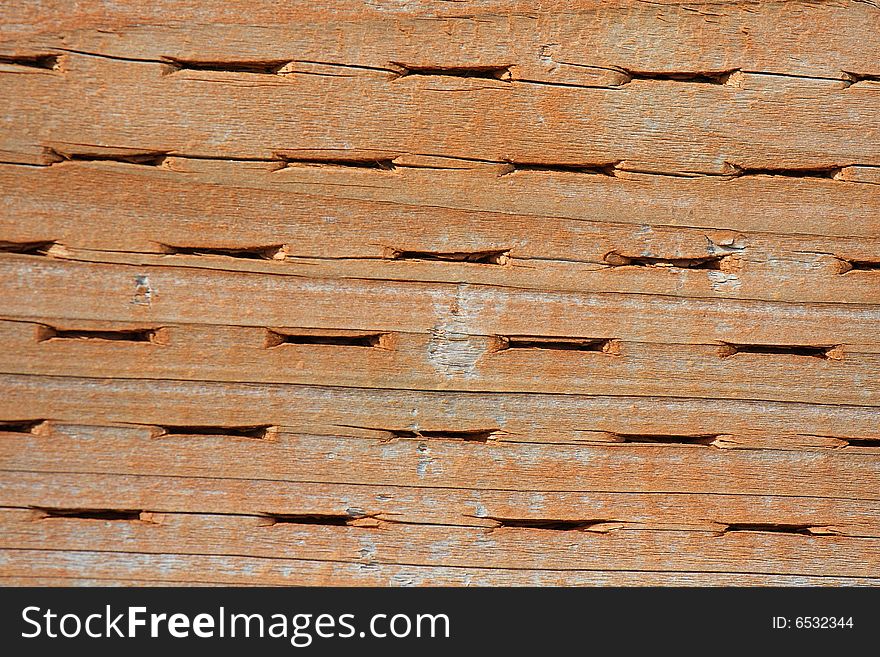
(399, 292)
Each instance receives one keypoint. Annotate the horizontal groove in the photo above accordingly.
(466, 435)
(45, 333)
(666, 439)
(46, 62)
(381, 164)
(145, 158)
(327, 519)
(275, 338)
(27, 248)
(616, 259)
(493, 257)
(259, 432)
(259, 67)
(90, 514)
(20, 426)
(694, 77)
(823, 352)
(505, 342)
(269, 252)
(485, 72)
(774, 528)
(549, 524)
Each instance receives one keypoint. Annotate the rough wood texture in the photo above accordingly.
(394, 292)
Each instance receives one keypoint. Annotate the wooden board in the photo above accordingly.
(429, 293)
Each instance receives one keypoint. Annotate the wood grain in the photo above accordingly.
(536, 218)
(424, 293)
(798, 38)
(646, 125)
(401, 544)
(440, 360)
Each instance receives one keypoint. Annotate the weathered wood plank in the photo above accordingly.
(425, 461)
(437, 360)
(338, 211)
(428, 505)
(328, 410)
(566, 41)
(415, 293)
(325, 229)
(801, 277)
(647, 125)
(170, 294)
(427, 545)
(60, 567)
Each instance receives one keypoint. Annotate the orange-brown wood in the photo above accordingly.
(423, 293)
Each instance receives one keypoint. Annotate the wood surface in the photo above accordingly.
(410, 292)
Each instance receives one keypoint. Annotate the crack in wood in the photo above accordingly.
(693, 77)
(713, 262)
(484, 72)
(597, 169)
(46, 333)
(554, 343)
(489, 257)
(862, 442)
(557, 525)
(325, 519)
(705, 439)
(774, 528)
(851, 264)
(344, 339)
(91, 514)
(829, 172)
(20, 426)
(46, 62)
(269, 252)
(27, 248)
(258, 67)
(823, 352)
(144, 158)
(463, 435)
(381, 164)
(258, 432)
